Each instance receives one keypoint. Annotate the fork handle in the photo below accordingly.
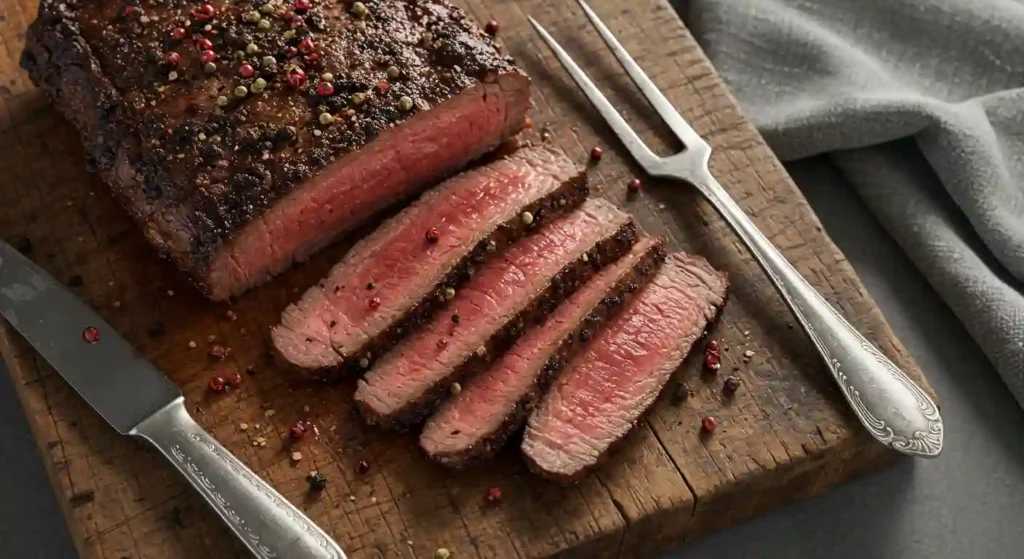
(891, 406)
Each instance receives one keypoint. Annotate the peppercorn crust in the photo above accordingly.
(487, 446)
(562, 285)
(194, 144)
(562, 201)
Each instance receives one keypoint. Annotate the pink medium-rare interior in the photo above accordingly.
(486, 400)
(391, 168)
(499, 290)
(335, 318)
(605, 389)
(402, 266)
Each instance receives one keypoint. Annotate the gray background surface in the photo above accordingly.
(967, 503)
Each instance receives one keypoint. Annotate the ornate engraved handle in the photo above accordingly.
(891, 406)
(265, 522)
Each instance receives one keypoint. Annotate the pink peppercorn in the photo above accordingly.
(324, 89)
(296, 77)
(172, 58)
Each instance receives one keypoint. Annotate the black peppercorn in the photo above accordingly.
(316, 22)
(732, 384)
(317, 481)
(362, 467)
(76, 281)
(680, 393)
(584, 335)
(284, 136)
(455, 318)
(212, 152)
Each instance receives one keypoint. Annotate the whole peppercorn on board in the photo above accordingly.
(784, 434)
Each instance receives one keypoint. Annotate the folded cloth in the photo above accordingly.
(920, 104)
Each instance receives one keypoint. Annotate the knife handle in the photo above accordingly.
(259, 516)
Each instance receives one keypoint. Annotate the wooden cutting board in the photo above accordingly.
(786, 434)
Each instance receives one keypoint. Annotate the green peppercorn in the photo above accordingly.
(209, 67)
(405, 104)
(359, 10)
(252, 48)
(326, 118)
(259, 85)
(222, 101)
(269, 61)
(264, 24)
(241, 91)
(393, 72)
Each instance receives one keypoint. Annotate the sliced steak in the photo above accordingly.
(473, 425)
(240, 147)
(490, 311)
(607, 387)
(397, 276)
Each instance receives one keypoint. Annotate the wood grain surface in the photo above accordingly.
(784, 436)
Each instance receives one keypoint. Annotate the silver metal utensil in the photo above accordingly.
(138, 400)
(891, 406)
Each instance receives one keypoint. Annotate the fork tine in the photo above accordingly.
(644, 156)
(675, 121)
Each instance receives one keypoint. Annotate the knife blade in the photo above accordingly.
(137, 399)
(114, 378)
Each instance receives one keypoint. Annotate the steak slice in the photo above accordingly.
(607, 387)
(474, 424)
(240, 147)
(491, 310)
(405, 275)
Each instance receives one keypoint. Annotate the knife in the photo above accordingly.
(135, 398)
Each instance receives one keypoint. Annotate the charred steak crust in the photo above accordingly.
(570, 278)
(104, 65)
(608, 307)
(561, 202)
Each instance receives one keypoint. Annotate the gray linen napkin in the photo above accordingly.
(920, 105)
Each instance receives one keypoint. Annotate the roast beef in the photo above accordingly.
(473, 425)
(394, 278)
(610, 384)
(249, 135)
(491, 310)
